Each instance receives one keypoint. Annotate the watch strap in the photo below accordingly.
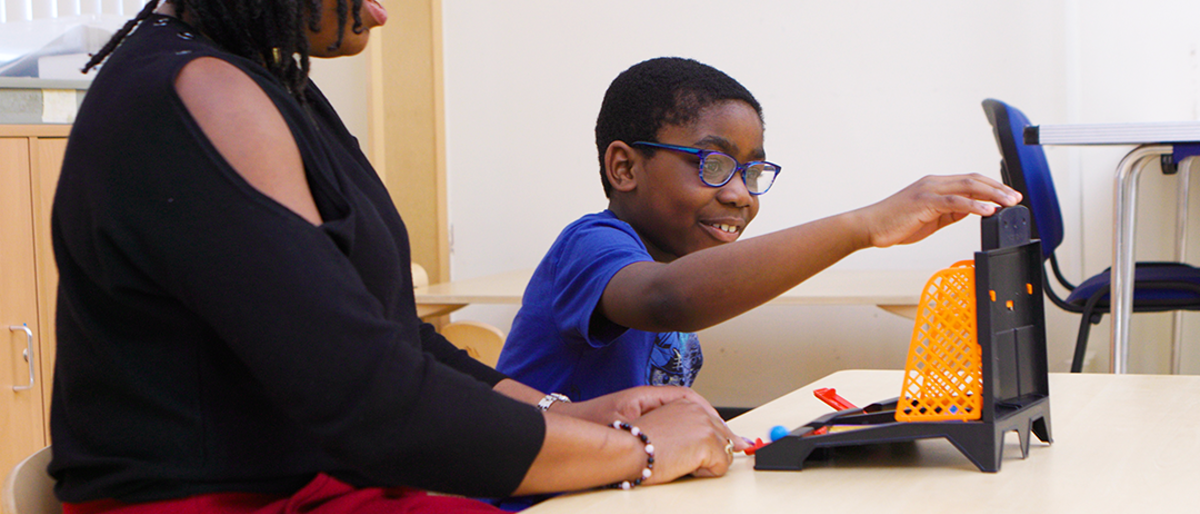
(548, 400)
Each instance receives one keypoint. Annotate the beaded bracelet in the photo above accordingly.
(646, 472)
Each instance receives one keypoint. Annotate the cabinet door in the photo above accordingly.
(47, 156)
(22, 428)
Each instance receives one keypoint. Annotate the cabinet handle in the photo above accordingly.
(27, 354)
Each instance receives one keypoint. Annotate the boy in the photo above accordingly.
(615, 300)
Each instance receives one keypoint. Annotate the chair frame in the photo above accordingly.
(28, 488)
(1093, 308)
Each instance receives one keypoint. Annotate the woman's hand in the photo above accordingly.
(626, 405)
(631, 404)
(687, 440)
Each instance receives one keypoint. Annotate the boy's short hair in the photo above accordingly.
(659, 92)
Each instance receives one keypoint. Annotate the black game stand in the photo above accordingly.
(1012, 335)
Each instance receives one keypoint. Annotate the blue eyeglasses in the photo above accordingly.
(717, 169)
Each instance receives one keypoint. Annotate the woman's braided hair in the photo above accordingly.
(265, 31)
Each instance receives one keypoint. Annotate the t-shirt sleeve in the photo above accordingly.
(588, 258)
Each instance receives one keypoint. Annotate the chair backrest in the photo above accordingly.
(482, 341)
(420, 277)
(1025, 169)
(29, 489)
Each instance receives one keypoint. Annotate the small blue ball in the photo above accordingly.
(778, 432)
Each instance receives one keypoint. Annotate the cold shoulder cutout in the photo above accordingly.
(247, 130)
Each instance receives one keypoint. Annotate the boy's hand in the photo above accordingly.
(930, 204)
(633, 403)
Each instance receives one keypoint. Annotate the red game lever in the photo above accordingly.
(830, 397)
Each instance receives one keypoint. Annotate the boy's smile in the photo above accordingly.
(671, 208)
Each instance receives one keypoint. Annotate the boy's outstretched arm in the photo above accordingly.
(930, 204)
(709, 286)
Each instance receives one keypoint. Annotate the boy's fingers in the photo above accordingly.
(979, 187)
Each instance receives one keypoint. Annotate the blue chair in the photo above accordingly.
(1158, 286)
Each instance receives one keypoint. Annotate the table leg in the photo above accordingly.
(1125, 208)
(1181, 225)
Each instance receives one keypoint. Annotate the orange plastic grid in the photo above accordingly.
(943, 378)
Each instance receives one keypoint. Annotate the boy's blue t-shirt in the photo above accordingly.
(559, 343)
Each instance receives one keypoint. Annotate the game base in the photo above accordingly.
(982, 443)
(977, 365)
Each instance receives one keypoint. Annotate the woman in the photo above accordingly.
(236, 325)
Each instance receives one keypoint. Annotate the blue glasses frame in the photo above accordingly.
(703, 154)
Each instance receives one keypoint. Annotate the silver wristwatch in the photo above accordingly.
(549, 400)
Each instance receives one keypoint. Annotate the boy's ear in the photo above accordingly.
(620, 162)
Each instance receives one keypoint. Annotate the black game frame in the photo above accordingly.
(1016, 393)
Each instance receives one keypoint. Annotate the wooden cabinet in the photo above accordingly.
(30, 161)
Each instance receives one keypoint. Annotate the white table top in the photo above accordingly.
(1122, 443)
(830, 287)
(1114, 133)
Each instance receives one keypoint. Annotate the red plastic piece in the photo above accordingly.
(758, 443)
(830, 397)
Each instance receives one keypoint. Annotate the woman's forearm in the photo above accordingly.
(578, 454)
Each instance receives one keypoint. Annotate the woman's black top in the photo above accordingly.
(211, 340)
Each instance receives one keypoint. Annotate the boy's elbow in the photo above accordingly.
(652, 300)
(668, 309)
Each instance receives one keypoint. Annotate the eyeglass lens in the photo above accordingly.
(718, 168)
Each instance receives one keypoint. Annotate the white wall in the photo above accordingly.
(861, 98)
(344, 82)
